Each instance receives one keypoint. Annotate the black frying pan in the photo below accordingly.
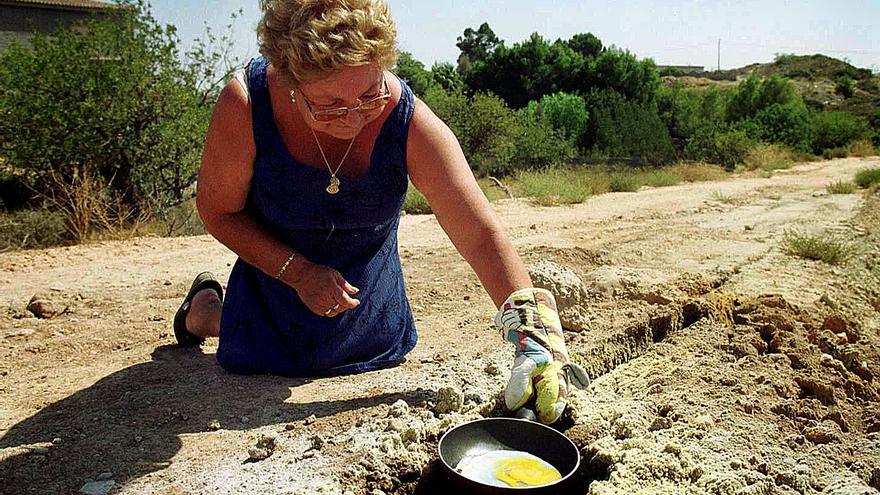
(484, 435)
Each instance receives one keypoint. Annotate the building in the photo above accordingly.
(20, 18)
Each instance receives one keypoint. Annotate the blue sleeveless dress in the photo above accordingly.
(265, 327)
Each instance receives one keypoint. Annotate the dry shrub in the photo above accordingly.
(764, 156)
(697, 171)
(90, 207)
(862, 148)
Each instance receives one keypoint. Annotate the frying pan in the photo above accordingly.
(484, 435)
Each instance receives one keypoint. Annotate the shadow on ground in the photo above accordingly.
(129, 423)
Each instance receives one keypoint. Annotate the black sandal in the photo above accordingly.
(204, 280)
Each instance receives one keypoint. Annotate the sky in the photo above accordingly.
(671, 32)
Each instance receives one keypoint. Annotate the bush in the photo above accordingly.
(845, 86)
(567, 113)
(621, 128)
(788, 124)
(486, 129)
(754, 95)
(726, 148)
(838, 129)
(684, 111)
(554, 186)
(819, 247)
(768, 157)
(862, 148)
(841, 187)
(116, 101)
(832, 153)
(415, 202)
(32, 229)
(868, 177)
(624, 182)
(697, 171)
(539, 145)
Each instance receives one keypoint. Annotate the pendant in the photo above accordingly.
(333, 188)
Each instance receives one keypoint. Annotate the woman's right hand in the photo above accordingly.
(322, 289)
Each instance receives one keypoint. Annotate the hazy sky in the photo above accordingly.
(674, 32)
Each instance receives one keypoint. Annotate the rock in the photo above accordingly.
(264, 448)
(846, 483)
(214, 425)
(629, 425)
(568, 289)
(826, 431)
(309, 420)
(104, 476)
(492, 369)
(660, 423)
(318, 442)
(611, 281)
(22, 332)
(828, 301)
(398, 409)
(411, 435)
(97, 487)
(704, 421)
(449, 400)
(47, 304)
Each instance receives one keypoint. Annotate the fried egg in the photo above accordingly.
(508, 468)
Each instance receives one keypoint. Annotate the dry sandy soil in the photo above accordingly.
(720, 364)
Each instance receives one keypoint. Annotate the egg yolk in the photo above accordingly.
(521, 472)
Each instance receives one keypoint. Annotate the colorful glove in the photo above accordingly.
(528, 319)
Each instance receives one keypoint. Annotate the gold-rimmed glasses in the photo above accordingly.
(332, 114)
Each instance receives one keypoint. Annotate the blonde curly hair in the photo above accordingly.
(307, 39)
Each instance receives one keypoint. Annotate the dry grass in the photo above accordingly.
(768, 157)
(861, 148)
(725, 199)
(819, 247)
(841, 187)
(697, 171)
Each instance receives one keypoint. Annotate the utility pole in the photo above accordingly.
(719, 54)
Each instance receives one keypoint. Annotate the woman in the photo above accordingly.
(304, 173)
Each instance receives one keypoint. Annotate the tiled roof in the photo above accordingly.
(75, 4)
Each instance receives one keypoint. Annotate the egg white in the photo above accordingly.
(482, 467)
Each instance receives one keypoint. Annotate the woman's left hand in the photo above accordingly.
(323, 290)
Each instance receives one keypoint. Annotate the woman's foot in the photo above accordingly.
(199, 314)
(203, 318)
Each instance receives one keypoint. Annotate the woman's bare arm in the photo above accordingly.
(438, 168)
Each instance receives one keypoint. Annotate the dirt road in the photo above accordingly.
(720, 364)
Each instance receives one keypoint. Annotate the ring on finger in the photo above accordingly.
(334, 308)
(327, 313)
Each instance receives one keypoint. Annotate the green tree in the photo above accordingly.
(620, 127)
(564, 112)
(586, 44)
(754, 95)
(447, 77)
(475, 46)
(789, 124)
(117, 103)
(845, 86)
(620, 71)
(414, 73)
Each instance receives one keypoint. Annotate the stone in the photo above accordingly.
(568, 289)
(398, 409)
(47, 304)
(309, 420)
(826, 431)
(264, 448)
(214, 425)
(449, 400)
(102, 487)
(492, 369)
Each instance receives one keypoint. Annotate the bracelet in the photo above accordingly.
(284, 266)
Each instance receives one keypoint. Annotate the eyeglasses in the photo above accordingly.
(332, 114)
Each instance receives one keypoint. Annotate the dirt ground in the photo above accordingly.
(720, 364)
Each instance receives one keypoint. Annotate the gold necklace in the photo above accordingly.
(333, 187)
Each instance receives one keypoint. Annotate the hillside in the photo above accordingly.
(815, 77)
